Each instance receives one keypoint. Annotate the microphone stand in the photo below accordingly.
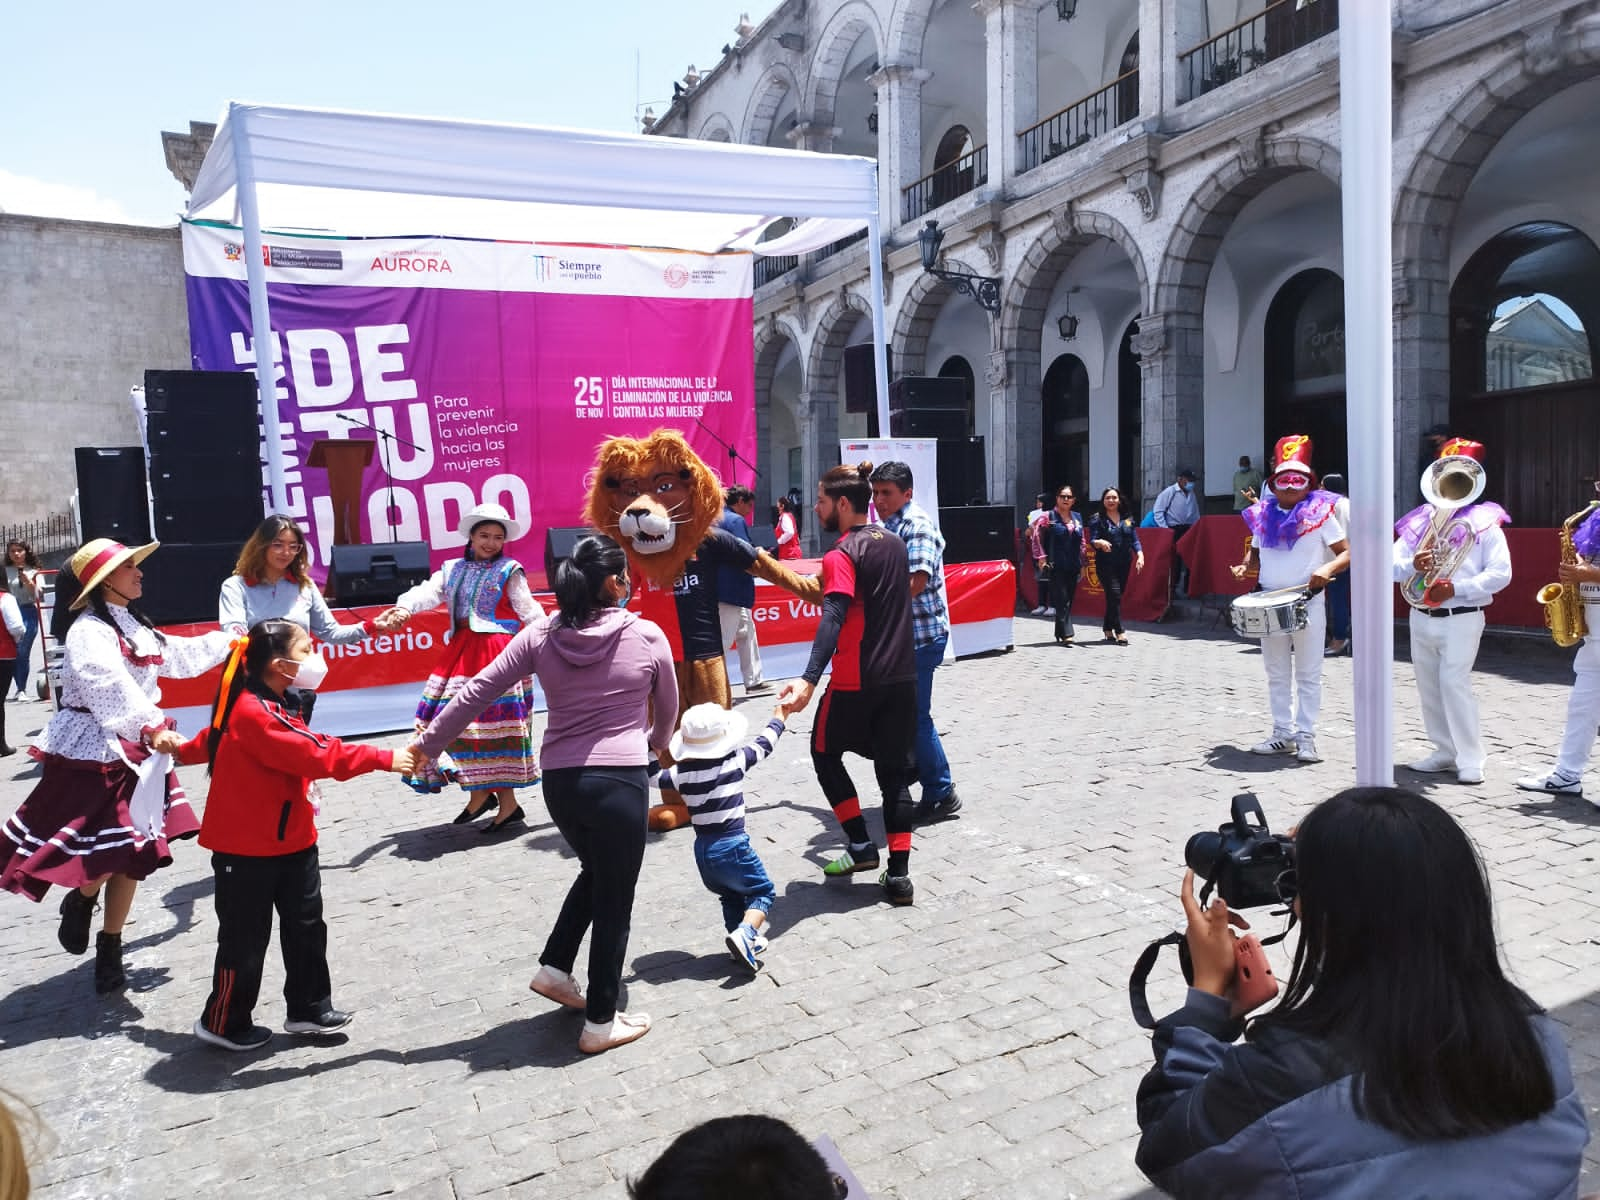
(385, 450)
(736, 456)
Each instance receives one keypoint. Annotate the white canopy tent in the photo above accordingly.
(372, 174)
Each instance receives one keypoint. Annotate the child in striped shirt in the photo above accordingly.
(712, 758)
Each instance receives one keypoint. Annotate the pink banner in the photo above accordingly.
(497, 366)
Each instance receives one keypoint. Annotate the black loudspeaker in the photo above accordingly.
(963, 471)
(112, 501)
(927, 391)
(181, 581)
(558, 544)
(977, 532)
(376, 574)
(205, 456)
(941, 423)
(860, 380)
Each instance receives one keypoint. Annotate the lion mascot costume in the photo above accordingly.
(660, 502)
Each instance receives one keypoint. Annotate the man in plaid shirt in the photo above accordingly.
(930, 623)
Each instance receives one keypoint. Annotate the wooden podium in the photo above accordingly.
(345, 460)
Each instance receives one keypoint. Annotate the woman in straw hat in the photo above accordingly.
(83, 826)
(487, 596)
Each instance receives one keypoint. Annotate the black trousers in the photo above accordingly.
(249, 889)
(1063, 587)
(1113, 574)
(879, 723)
(601, 813)
(7, 667)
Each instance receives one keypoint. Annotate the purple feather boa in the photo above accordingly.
(1278, 529)
(1481, 518)
(1586, 537)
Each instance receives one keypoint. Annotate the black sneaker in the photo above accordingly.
(253, 1038)
(939, 810)
(77, 910)
(898, 889)
(319, 1026)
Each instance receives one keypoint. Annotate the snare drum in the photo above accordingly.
(1262, 614)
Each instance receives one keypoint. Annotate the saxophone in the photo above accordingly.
(1563, 610)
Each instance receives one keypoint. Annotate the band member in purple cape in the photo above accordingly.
(1298, 544)
(1450, 558)
(1578, 593)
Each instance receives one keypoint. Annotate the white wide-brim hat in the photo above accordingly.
(96, 559)
(490, 512)
(708, 731)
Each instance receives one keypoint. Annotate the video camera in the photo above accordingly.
(1247, 864)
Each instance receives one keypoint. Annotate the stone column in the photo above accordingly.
(1172, 380)
(1158, 58)
(819, 452)
(899, 88)
(1421, 363)
(1184, 23)
(762, 486)
(811, 135)
(1011, 33)
(1016, 413)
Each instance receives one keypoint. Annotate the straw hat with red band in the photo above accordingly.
(97, 559)
(1292, 453)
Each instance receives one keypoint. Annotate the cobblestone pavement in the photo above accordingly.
(978, 1044)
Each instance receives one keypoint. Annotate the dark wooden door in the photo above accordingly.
(1541, 448)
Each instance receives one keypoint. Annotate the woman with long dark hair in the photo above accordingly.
(1400, 1062)
(1114, 535)
(271, 581)
(1061, 537)
(602, 669)
(77, 829)
(787, 531)
(22, 581)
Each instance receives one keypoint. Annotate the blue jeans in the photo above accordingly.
(933, 768)
(30, 630)
(730, 867)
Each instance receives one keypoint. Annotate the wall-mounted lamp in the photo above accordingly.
(1066, 9)
(1067, 326)
(872, 121)
(985, 289)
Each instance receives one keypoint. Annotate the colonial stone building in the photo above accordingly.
(1155, 184)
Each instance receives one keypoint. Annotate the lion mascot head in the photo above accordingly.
(657, 498)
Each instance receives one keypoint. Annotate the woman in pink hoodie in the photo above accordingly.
(601, 668)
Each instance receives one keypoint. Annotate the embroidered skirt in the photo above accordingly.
(75, 827)
(496, 750)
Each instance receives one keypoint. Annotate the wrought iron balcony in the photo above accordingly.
(1280, 28)
(949, 181)
(843, 243)
(1080, 122)
(774, 266)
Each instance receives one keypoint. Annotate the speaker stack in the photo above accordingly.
(112, 500)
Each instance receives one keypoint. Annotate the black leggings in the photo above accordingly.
(1063, 587)
(1113, 578)
(601, 813)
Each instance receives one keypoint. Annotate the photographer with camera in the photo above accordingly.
(1401, 1062)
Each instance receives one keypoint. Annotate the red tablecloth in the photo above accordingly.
(1216, 543)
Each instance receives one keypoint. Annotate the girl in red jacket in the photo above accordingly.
(260, 825)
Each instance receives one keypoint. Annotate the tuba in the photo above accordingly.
(1563, 610)
(1449, 484)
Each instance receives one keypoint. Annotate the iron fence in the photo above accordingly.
(949, 181)
(1278, 29)
(1083, 120)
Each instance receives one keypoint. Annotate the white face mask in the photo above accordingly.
(313, 669)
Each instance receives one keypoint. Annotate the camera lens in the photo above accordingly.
(1203, 852)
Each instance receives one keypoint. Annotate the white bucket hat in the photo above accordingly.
(707, 731)
(490, 512)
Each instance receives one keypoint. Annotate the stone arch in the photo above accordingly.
(777, 80)
(770, 336)
(1553, 57)
(826, 361)
(1055, 247)
(1191, 250)
(827, 68)
(907, 25)
(716, 128)
(913, 322)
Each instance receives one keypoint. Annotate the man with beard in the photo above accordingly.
(870, 707)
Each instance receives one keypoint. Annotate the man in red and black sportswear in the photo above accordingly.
(870, 707)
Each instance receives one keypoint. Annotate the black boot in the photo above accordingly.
(108, 973)
(77, 910)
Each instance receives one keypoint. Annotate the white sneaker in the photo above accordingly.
(1038, 612)
(1434, 764)
(1049, 612)
(1554, 782)
(1306, 749)
(1278, 743)
(1469, 775)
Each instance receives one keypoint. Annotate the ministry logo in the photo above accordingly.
(676, 276)
(232, 251)
(544, 268)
